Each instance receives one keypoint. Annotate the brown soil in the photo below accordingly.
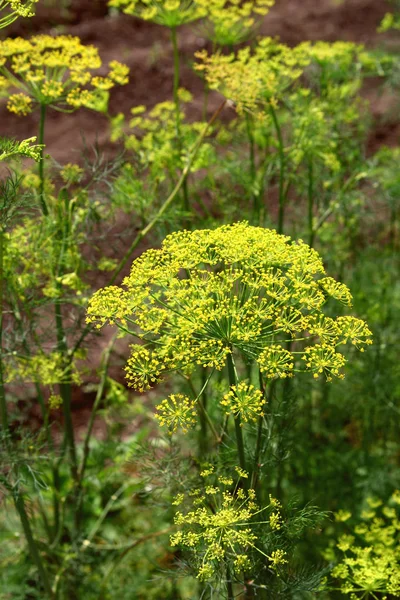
(145, 47)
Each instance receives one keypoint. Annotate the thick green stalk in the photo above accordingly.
(310, 194)
(229, 586)
(176, 82)
(233, 380)
(43, 204)
(3, 400)
(203, 441)
(257, 453)
(65, 392)
(282, 166)
(33, 549)
(255, 197)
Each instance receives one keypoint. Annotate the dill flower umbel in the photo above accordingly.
(254, 79)
(170, 13)
(55, 71)
(208, 293)
(369, 563)
(228, 22)
(244, 400)
(10, 10)
(177, 411)
(219, 527)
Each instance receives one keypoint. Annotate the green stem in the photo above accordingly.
(229, 585)
(176, 82)
(86, 444)
(256, 466)
(3, 400)
(254, 195)
(233, 380)
(282, 164)
(33, 549)
(43, 204)
(203, 445)
(65, 392)
(310, 194)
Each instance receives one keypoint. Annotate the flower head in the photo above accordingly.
(12, 9)
(244, 400)
(219, 527)
(53, 71)
(177, 411)
(207, 293)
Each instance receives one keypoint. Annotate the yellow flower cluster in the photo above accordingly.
(177, 411)
(206, 293)
(154, 138)
(228, 21)
(244, 400)
(219, 528)
(55, 71)
(371, 561)
(252, 79)
(170, 13)
(47, 368)
(12, 9)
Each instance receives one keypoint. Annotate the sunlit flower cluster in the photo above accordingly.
(370, 560)
(228, 22)
(253, 79)
(177, 411)
(12, 9)
(152, 137)
(47, 368)
(218, 527)
(244, 400)
(55, 71)
(208, 293)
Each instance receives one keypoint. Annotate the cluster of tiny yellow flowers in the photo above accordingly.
(228, 21)
(47, 368)
(12, 9)
(71, 173)
(55, 71)
(254, 79)
(153, 137)
(55, 401)
(245, 401)
(371, 561)
(218, 527)
(177, 411)
(206, 293)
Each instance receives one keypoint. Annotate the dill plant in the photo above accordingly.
(367, 552)
(156, 156)
(227, 23)
(218, 300)
(54, 72)
(297, 107)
